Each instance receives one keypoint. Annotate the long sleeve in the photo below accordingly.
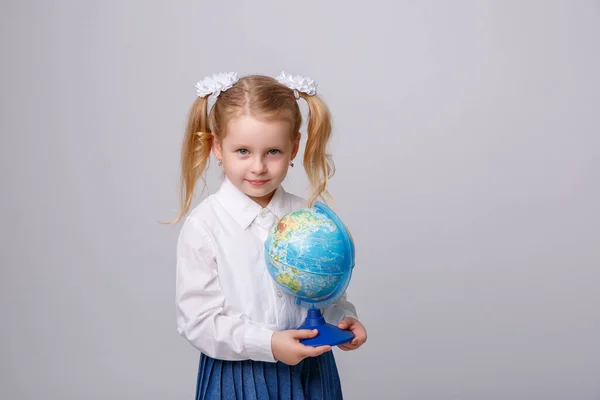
(200, 301)
(339, 310)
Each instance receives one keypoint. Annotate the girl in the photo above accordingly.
(227, 304)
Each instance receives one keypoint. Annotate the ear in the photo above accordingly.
(216, 147)
(296, 145)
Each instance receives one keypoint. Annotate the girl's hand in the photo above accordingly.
(360, 333)
(287, 348)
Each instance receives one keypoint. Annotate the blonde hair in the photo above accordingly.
(259, 97)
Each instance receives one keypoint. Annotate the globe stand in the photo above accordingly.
(328, 334)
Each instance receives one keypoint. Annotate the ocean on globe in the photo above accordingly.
(310, 254)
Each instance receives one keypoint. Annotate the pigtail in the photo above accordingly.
(195, 153)
(317, 163)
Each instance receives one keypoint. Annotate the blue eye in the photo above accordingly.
(243, 152)
(274, 152)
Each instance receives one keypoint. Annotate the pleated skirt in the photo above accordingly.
(314, 378)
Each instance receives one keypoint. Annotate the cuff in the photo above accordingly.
(348, 313)
(334, 315)
(257, 343)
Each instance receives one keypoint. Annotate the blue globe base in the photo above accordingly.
(328, 334)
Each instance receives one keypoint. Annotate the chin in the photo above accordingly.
(259, 192)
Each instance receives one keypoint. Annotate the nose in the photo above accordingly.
(258, 165)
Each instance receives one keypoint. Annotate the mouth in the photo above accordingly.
(257, 182)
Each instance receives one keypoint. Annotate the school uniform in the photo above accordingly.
(228, 306)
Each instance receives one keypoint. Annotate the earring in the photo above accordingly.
(292, 164)
(220, 163)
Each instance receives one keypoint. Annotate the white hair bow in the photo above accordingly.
(298, 83)
(216, 84)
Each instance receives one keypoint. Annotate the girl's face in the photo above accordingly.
(256, 155)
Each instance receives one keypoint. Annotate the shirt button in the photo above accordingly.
(279, 294)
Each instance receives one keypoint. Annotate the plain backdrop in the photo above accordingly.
(466, 137)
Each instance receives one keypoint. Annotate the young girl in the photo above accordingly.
(227, 304)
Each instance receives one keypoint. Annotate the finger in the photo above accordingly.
(304, 333)
(345, 323)
(360, 337)
(316, 351)
(359, 333)
(347, 347)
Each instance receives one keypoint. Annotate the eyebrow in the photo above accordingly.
(239, 145)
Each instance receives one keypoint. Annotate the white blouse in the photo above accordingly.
(228, 306)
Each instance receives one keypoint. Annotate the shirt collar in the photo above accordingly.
(244, 210)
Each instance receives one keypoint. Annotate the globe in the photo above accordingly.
(310, 254)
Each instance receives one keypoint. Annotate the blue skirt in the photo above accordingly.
(314, 378)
